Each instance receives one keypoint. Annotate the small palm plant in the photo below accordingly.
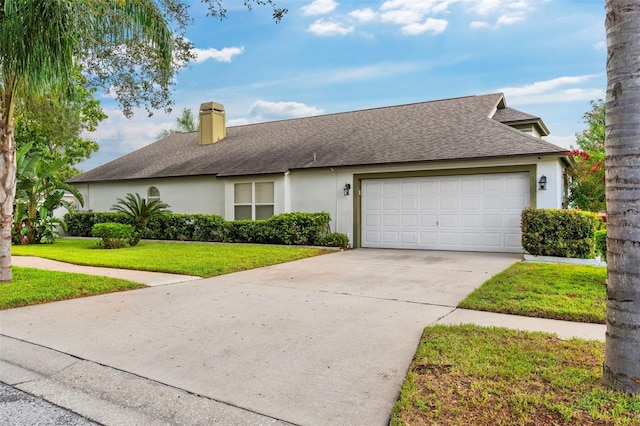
(139, 210)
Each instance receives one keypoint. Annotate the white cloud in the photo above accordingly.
(601, 45)
(557, 90)
(223, 55)
(328, 28)
(479, 24)
(434, 26)
(541, 87)
(486, 7)
(261, 111)
(507, 12)
(510, 18)
(364, 15)
(319, 7)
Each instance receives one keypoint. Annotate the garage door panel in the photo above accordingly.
(492, 202)
(390, 220)
(410, 238)
(373, 204)
(428, 221)
(470, 203)
(389, 188)
(512, 221)
(448, 186)
(469, 186)
(372, 237)
(428, 203)
(473, 212)
(514, 202)
(471, 238)
(449, 203)
(491, 184)
(449, 239)
(428, 238)
(390, 237)
(410, 188)
(513, 240)
(492, 220)
(470, 221)
(448, 221)
(409, 220)
(492, 239)
(373, 220)
(409, 203)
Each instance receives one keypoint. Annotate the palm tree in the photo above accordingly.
(621, 367)
(39, 41)
(140, 211)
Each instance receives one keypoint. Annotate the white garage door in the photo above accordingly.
(468, 213)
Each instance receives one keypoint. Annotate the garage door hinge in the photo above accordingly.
(359, 193)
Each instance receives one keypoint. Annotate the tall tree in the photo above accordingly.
(586, 177)
(130, 47)
(622, 348)
(56, 125)
(186, 122)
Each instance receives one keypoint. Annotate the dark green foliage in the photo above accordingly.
(335, 239)
(561, 233)
(601, 243)
(80, 224)
(286, 228)
(113, 235)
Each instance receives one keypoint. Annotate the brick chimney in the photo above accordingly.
(212, 123)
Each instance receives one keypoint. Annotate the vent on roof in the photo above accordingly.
(212, 123)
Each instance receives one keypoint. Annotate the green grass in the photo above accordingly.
(557, 291)
(199, 259)
(33, 286)
(471, 375)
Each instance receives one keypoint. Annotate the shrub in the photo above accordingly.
(601, 243)
(562, 233)
(113, 235)
(335, 239)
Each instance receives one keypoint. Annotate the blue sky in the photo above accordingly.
(328, 56)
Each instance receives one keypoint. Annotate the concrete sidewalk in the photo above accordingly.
(324, 340)
(143, 277)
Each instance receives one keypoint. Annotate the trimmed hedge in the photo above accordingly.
(286, 228)
(561, 233)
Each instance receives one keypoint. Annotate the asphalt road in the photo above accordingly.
(21, 409)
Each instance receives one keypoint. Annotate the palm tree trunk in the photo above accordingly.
(7, 181)
(621, 368)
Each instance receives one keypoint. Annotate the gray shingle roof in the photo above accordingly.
(512, 116)
(451, 129)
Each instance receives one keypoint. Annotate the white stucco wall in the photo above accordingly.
(200, 194)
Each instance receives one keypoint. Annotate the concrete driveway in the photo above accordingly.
(325, 340)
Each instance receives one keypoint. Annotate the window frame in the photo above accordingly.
(153, 197)
(254, 204)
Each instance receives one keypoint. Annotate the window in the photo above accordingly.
(153, 193)
(253, 200)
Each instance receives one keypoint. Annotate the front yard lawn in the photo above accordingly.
(199, 259)
(33, 286)
(556, 291)
(470, 375)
